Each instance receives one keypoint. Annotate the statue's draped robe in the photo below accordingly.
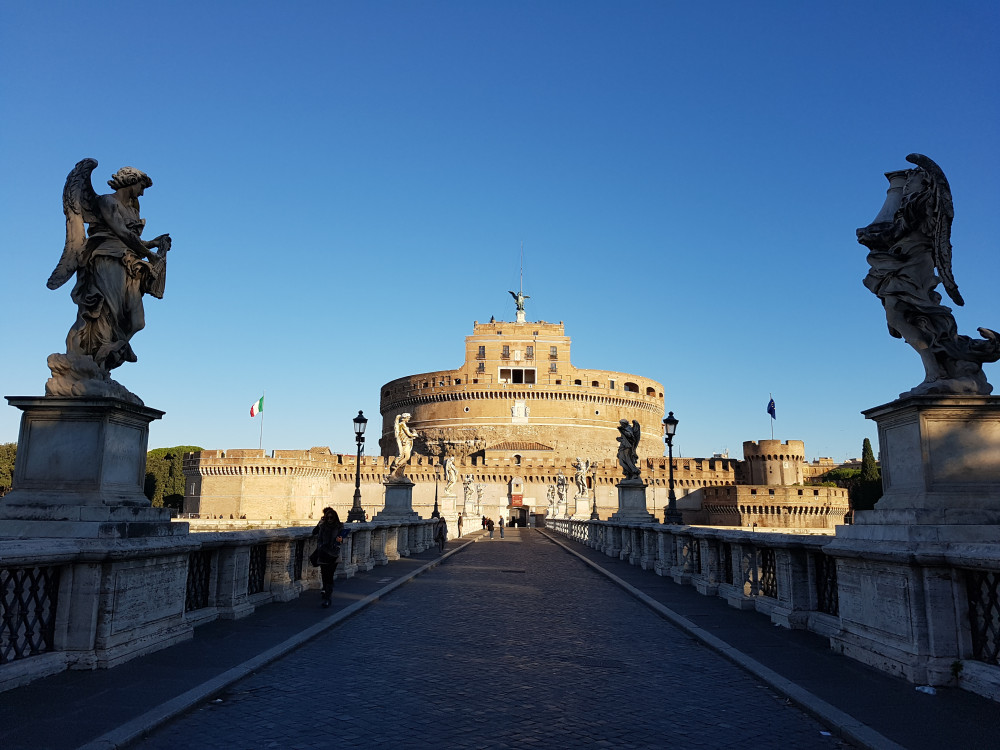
(110, 284)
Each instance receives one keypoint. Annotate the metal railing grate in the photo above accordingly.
(198, 580)
(768, 573)
(258, 567)
(300, 550)
(983, 588)
(28, 599)
(825, 571)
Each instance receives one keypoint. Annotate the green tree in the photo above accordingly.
(164, 484)
(869, 487)
(8, 452)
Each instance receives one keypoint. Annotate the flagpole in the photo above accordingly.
(260, 445)
(769, 395)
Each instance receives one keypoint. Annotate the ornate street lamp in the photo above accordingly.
(357, 513)
(594, 516)
(670, 514)
(436, 513)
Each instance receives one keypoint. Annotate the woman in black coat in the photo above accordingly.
(327, 553)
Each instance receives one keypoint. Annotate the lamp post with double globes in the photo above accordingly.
(357, 513)
(670, 514)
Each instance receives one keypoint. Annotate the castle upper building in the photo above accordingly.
(518, 395)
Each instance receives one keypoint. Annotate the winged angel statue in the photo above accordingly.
(114, 268)
(907, 241)
(628, 443)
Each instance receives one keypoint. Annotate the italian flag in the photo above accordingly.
(257, 408)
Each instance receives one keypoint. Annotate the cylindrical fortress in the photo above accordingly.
(772, 462)
(518, 395)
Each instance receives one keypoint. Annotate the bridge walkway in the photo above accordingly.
(513, 643)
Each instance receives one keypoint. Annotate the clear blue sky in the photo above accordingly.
(347, 186)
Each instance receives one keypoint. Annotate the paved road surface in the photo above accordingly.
(509, 643)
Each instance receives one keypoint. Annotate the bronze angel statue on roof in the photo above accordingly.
(114, 268)
(907, 241)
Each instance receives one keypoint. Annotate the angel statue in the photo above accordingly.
(114, 268)
(907, 241)
(450, 475)
(519, 299)
(628, 442)
(582, 467)
(404, 444)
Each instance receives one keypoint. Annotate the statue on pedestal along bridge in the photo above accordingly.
(628, 443)
(907, 241)
(404, 444)
(450, 475)
(582, 466)
(114, 268)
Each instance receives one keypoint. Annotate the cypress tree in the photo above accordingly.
(869, 488)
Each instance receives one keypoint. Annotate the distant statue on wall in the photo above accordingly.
(470, 494)
(519, 298)
(404, 444)
(480, 494)
(114, 268)
(562, 486)
(582, 467)
(450, 475)
(628, 444)
(550, 496)
(907, 241)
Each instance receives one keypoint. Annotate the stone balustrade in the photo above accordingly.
(793, 579)
(93, 603)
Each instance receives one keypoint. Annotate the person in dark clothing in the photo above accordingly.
(484, 522)
(327, 554)
(489, 526)
(441, 533)
(501, 527)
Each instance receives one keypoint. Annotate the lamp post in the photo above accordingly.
(670, 514)
(357, 513)
(436, 513)
(594, 516)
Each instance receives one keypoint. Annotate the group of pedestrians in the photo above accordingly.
(489, 526)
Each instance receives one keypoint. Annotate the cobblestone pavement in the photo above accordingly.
(510, 643)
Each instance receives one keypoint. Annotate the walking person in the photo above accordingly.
(489, 526)
(441, 533)
(501, 527)
(484, 522)
(330, 532)
(459, 525)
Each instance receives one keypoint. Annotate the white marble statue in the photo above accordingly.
(450, 475)
(582, 467)
(404, 444)
(562, 487)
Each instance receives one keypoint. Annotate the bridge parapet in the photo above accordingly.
(92, 603)
(793, 579)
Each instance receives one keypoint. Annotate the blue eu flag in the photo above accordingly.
(770, 409)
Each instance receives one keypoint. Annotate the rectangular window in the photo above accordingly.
(505, 375)
(529, 352)
(553, 367)
(611, 384)
(506, 351)
(553, 352)
(482, 353)
(481, 367)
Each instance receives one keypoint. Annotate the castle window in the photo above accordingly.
(467, 408)
(529, 352)
(425, 384)
(650, 391)
(611, 384)
(631, 388)
(595, 384)
(597, 412)
(481, 367)
(558, 382)
(553, 352)
(577, 382)
(481, 354)
(505, 354)
(553, 367)
(458, 381)
(517, 459)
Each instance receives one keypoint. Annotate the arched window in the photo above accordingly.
(517, 459)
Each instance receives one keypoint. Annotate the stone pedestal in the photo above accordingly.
(80, 471)
(901, 568)
(632, 502)
(398, 501)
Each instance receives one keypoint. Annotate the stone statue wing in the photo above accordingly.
(636, 431)
(79, 205)
(945, 213)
